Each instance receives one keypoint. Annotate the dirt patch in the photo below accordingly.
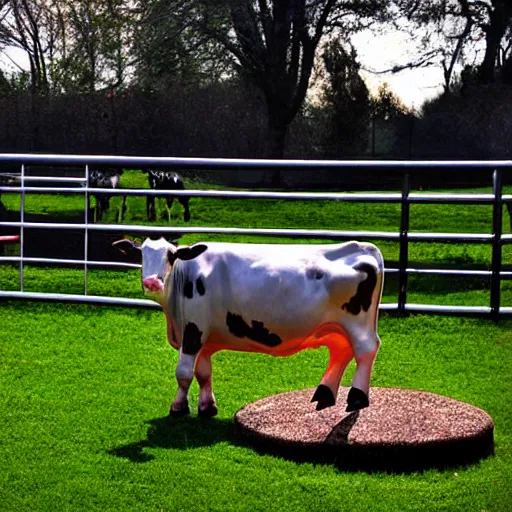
(402, 430)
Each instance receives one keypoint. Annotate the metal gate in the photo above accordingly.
(79, 185)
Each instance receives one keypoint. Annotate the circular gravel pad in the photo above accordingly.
(401, 430)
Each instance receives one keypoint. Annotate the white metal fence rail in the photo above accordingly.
(404, 236)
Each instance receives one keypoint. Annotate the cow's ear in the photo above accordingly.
(189, 253)
(171, 257)
(130, 249)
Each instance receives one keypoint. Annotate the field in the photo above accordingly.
(86, 390)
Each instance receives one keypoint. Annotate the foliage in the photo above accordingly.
(71, 45)
(345, 101)
(97, 46)
(274, 43)
(451, 30)
(451, 125)
(168, 50)
(387, 105)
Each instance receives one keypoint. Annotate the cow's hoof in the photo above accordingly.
(356, 400)
(209, 412)
(179, 413)
(324, 396)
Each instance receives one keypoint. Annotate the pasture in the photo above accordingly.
(86, 390)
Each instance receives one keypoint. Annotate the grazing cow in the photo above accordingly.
(105, 178)
(273, 299)
(165, 180)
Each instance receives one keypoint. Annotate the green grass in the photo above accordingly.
(85, 390)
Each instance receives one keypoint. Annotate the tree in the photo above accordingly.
(346, 99)
(168, 50)
(497, 22)
(274, 43)
(387, 104)
(78, 45)
(451, 29)
(95, 45)
(32, 26)
(5, 85)
(445, 31)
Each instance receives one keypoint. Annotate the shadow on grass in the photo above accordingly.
(438, 284)
(178, 433)
(192, 432)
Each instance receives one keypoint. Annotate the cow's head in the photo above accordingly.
(155, 256)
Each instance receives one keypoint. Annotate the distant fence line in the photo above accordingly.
(495, 238)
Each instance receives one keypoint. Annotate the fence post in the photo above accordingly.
(497, 225)
(86, 221)
(22, 230)
(404, 245)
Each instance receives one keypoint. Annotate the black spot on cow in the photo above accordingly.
(200, 286)
(256, 332)
(363, 297)
(314, 274)
(191, 339)
(186, 253)
(188, 289)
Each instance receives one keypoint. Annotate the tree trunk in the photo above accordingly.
(276, 136)
(494, 32)
(486, 71)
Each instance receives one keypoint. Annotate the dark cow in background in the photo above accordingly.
(165, 180)
(105, 178)
(275, 299)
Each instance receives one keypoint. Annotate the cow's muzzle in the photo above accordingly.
(153, 283)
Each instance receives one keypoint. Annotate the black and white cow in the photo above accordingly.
(273, 299)
(105, 178)
(165, 180)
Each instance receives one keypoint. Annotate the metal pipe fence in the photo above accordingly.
(22, 186)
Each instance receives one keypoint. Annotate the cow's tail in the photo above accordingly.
(176, 285)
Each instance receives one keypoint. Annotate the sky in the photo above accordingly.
(377, 53)
(384, 51)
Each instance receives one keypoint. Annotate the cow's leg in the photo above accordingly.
(340, 354)
(365, 352)
(123, 210)
(184, 376)
(150, 208)
(169, 200)
(207, 406)
(184, 202)
(98, 212)
(190, 347)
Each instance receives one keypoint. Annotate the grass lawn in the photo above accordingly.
(86, 390)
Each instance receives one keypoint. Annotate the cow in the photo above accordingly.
(105, 178)
(276, 299)
(165, 180)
